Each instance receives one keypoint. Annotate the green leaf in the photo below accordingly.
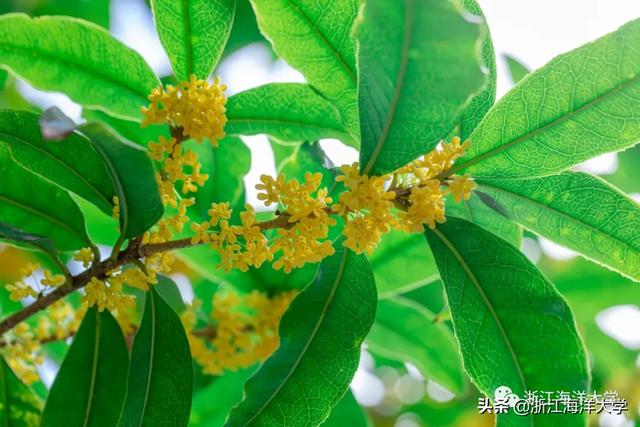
(390, 259)
(90, 387)
(72, 163)
(161, 373)
(579, 105)
(131, 131)
(78, 58)
(347, 413)
(578, 211)
(516, 69)
(590, 289)
(194, 33)
(95, 10)
(31, 204)
(286, 111)
(514, 329)
(418, 70)
(475, 210)
(314, 37)
(169, 291)
(482, 102)
(225, 391)
(407, 332)
(133, 178)
(320, 338)
(14, 235)
(295, 159)
(245, 29)
(19, 407)
(227, 166)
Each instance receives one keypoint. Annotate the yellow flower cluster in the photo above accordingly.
(176, 166)
(369, 202)
(304, 238)
(21, 289)
(23, 344)
(367, 206)
(244, 330)
(85, 256)
(426, 200)
(196, 106)
(109, 293)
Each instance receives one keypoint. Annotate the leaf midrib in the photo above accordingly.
(311, 338)
(559, 120)
(476, 283)
(42, 215)
(187, 35)
(398, 87)
(151, 355)
(94, 370)
(70, 63)
(232, 120)
(570, 218)
(59, 161)
(343, 63)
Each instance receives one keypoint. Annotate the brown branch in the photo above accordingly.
(135, 251)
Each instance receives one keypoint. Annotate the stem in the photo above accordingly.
(133, 253)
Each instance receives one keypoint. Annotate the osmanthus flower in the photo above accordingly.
(196, 106)
(85, 256)
(243, 329)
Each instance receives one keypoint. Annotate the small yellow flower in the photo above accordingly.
(219, 211)
(52, 280)
(85, 256)
(461, 187)
(201, 233)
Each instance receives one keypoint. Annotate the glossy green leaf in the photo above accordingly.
(72, 163)
(225, 391)
(129, 130)
(295, 159)
(314, 37)
(193, 33)
(581, 104)
(11, 98)
(286, 111)
(590, 289)
(133, 178)
(578, 211)
(476, 210)
(396, 251)
(90, 387)
(418, 70)
(19, 407)
(170, 293)
(320, 338)
(95, 10)
(245, 29)
(78, 58)
(226, 165)
(160, 382)
(482, 102)
(517, 70)
(406, 331)
(347, 413)
(35, 206)
(514, 329)
(14, 235)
